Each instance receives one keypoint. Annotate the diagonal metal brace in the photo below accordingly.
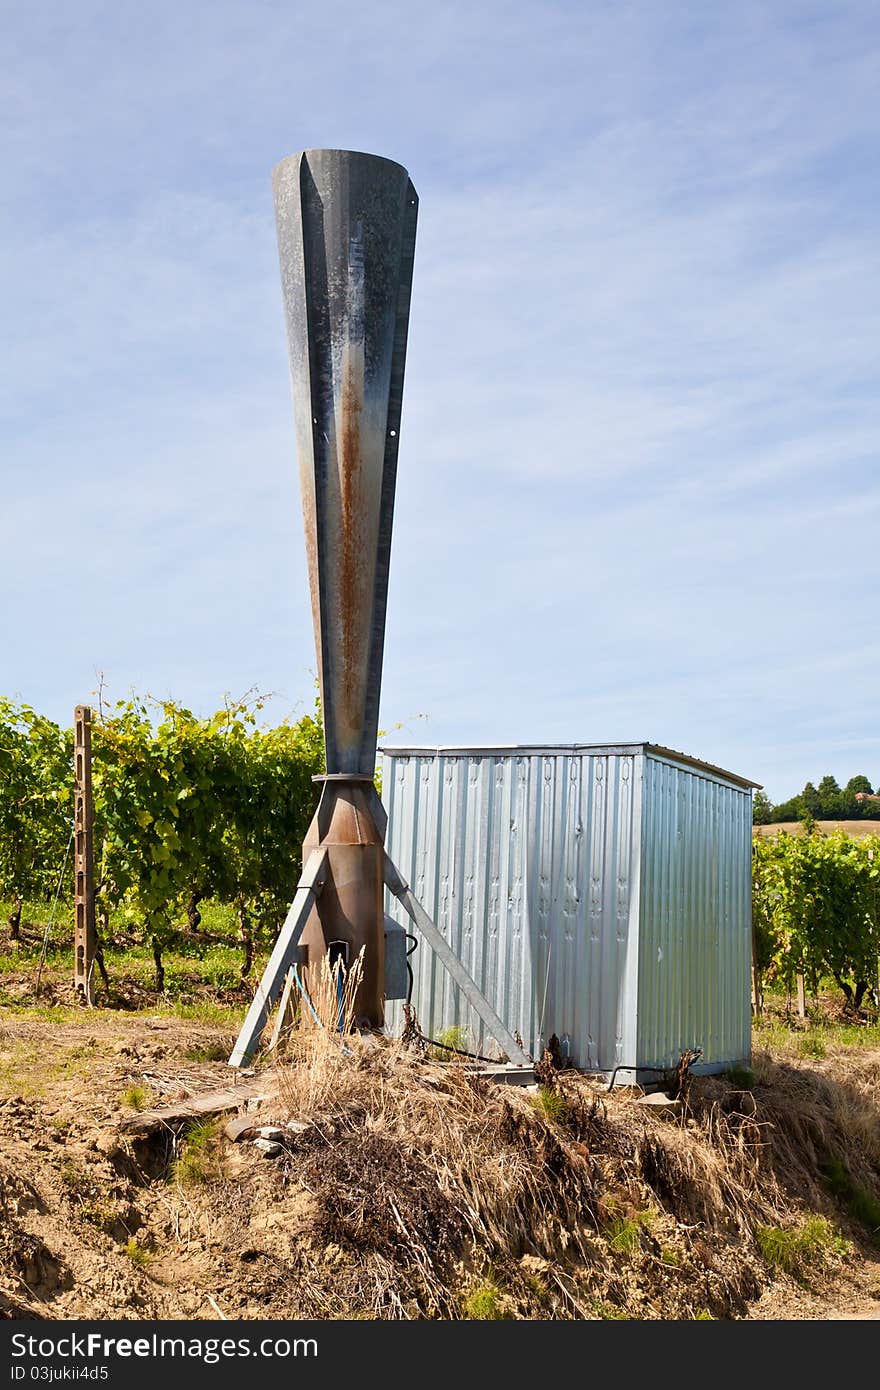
(441, 948)
(281, 959)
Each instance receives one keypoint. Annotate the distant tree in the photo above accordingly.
(825, 802)
(851, 807)
(830, 798)
(762, 809)
(809, 801)
(858, 784)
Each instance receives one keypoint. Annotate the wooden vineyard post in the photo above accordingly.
(877, 995)
(84, 939)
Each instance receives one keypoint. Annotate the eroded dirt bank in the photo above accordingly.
(399, 1187)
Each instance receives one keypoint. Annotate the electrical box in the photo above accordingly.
(396, 973)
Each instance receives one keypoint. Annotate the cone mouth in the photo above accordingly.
(318, 153)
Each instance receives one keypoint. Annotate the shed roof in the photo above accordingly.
(548, 749)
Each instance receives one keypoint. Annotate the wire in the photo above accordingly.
(546, 983)
(460, 1052)
(409, 969)
(302, 989)
(622, 1066)
(52, 909)
(311, 1007)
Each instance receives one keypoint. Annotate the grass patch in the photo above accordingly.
(449, 1041)
(73, 1177)
(624, 1232)
(100, 1214)
(743, 1078)
(795, 1251)
(484, 1303)
(779, 1035)
(202, 1011)
(608, 1312)
(773, 1035)
(199, 1159)
(135, 1097)
(136, 1253)
(208, 960)
(551, 1104)
(25, 1071)
(856, 1200)
(51, 1013)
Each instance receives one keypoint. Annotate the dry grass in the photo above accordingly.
(830, 1109)
(428, 1185)
(424, 1163)
(856, 828)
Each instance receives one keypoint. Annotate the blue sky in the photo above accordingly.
(638, 492)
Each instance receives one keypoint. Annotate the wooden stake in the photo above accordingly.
(83, 863)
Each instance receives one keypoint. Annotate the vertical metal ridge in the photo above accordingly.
(406, 263)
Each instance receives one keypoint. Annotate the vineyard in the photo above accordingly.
(188, 811)
(816, 913)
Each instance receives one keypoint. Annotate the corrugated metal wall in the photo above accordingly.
(600, 894)
(695, 931)
(525, 862)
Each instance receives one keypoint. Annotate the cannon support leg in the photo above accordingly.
(282, 958)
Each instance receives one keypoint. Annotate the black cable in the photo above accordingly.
(622, 1066)
(409, 969)
(459, 1052)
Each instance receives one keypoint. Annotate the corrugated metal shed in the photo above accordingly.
(599, 892)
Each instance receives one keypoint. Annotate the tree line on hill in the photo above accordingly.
(828, 801)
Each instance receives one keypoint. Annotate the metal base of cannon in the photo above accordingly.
(289, 952)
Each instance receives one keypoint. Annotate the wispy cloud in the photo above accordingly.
(638, 485)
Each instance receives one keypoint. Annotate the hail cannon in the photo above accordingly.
(346, 237)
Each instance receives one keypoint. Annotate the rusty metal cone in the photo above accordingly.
(346, 237)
